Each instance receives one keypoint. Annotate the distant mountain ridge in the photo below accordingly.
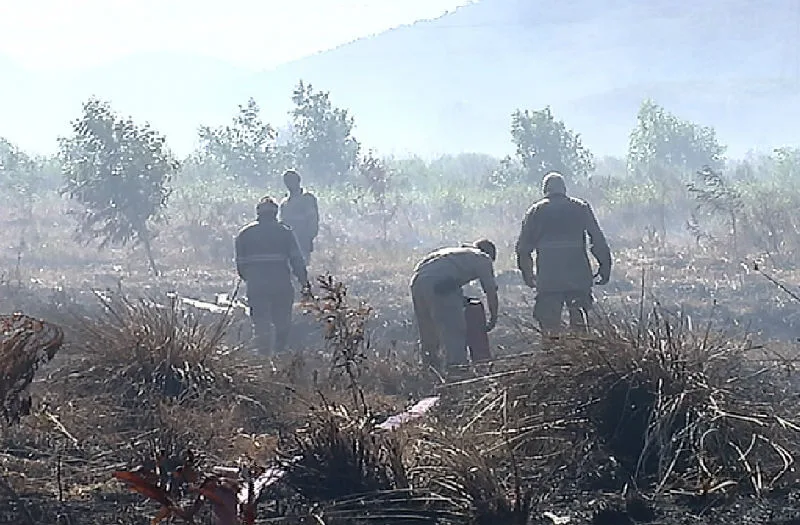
(450, 84)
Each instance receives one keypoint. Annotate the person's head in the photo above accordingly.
(487, 247)
(267, 208)
(292, 181)
(553, 184)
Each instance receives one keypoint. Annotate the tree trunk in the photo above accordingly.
(148, 250)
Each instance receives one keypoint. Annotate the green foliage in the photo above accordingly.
(629, 194)
(246, 150)
(787, 164)
(769, 194)
(660, 139)
(408, 173)
(663, 150)
(322, 139)
(19, 177)
(119, 172)
(714, 193)
(473, 168)
(376, 200)
(507, 173)
(610, 166)
(24, 179)
(545, 144)
(716, 196)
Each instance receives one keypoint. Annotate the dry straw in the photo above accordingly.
(650, 401)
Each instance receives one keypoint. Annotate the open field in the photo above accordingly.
(689, 333)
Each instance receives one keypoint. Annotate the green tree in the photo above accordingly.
(664, 151)
(377, 200)
(120, 173)
(717, 197)
(545, 144)
(508, 172)
(323, 141)
(471, 168)
(20, 178)
(787, 164)
(246, 150)
(662, 140)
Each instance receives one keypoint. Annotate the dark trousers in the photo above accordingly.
(271, 316)
(549, 305)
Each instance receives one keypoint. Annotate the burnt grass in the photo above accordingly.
(676, 410)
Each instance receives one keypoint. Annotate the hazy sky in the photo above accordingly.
(75, 34)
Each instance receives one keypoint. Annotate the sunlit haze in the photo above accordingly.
(58, 34)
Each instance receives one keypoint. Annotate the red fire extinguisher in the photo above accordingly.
(477, 338)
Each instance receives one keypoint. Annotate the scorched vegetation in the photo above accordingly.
(129, 394)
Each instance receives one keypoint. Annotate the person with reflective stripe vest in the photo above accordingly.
(556, 228)
(266, 251)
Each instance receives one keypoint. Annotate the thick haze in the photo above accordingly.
(178, 64)
(445, 85)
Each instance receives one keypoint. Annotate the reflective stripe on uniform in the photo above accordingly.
(561, 244)
(265, 257)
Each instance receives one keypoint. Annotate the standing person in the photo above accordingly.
(266, 249)
(439, 301)
(556, 227)
(300, 211)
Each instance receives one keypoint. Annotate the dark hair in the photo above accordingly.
(487, 247)
(291, 174)
(267, 207)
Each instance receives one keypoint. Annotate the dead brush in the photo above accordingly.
(693, 408)
(339, 465)
(345, 333)
(345, 471)
(336, 455)
(396, 373)
(671, 406)
(477, 487)
(150, 349)
(27, 343)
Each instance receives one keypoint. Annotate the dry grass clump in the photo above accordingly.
(152, 350)
(146, 367)
(346, 470)
(649, 401)
(337, 455)
(482, 488)
(143, 376)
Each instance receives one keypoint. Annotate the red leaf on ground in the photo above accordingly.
(138, 484)
(224, 502)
